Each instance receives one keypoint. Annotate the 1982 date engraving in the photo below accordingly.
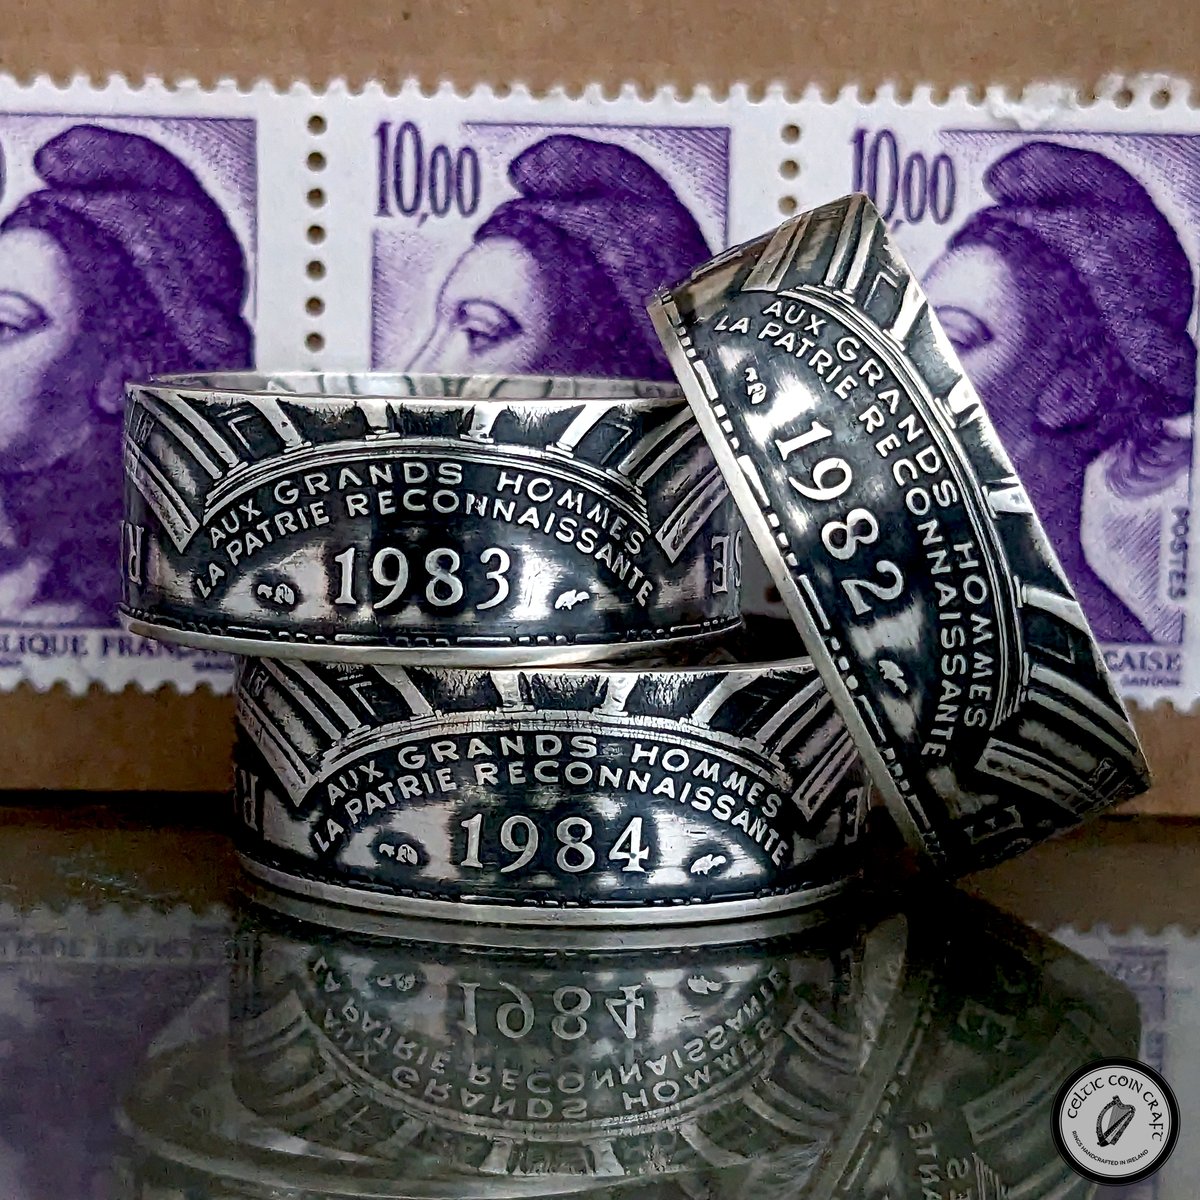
(900, 537)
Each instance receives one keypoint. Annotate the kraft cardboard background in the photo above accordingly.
(170, 742)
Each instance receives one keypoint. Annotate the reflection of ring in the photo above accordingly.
(900, 538)
(518, 1063)
(183, 1132)
(977, 1019)
(579, 796)
(484, 520)
(925, 1045)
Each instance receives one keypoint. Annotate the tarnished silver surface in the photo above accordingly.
(436, 519)
(569, 795)
(901, 539)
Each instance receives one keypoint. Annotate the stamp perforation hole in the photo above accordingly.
(316, 198)
(789, 167)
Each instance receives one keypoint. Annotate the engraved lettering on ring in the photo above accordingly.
(900, 537)
(618, 796)
(424, 518)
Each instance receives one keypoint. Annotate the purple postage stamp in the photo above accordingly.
(181, 229)
(130, 243)
(156, 229)
(1059, 242)
(555, 236)
(525, 234)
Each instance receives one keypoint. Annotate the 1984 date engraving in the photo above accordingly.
(520, 835)
(594, 789)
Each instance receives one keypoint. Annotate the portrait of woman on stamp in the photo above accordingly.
(556, 278)
(121, 265)
(1069, 301)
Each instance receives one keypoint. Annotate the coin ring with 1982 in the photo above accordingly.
(484, 520)
(901, 539)
(553, 796)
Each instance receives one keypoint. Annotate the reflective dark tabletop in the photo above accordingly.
(169, 1034)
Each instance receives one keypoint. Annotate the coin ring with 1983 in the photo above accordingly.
(547, 797)
(484, 520)
(901, 539)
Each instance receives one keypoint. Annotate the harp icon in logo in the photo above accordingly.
(1116, 1121)
(1113, 1120)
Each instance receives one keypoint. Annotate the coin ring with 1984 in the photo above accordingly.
(901, 539)
(485, 520)
(544, 797)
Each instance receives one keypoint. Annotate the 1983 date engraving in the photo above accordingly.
(562, 519)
